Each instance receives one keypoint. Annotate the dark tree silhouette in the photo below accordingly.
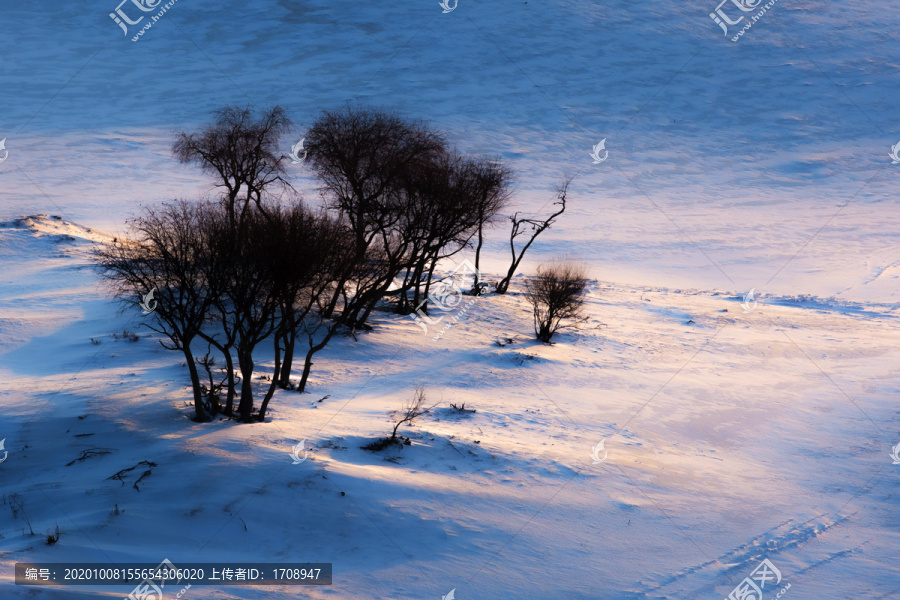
(533, 228)
(240, 150)
(242, 285)
(452, 199)
(366, 159)
(162, 256)
(493, 195)
(314, 252)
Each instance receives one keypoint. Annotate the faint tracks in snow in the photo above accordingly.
(694, 581)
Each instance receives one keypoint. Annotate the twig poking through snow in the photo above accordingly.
(454, 447)
(144, 474)
(129, 469)
(86, 454)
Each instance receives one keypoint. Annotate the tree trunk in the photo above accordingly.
(232, 197)
(403, 304)
(365, 317)
(428, 282)
(199, 410)
(229, 370)
(307, 365)
(245, 408)
(289, 338)
(332, 304)
(350, 317)
(503, 286)
(275, 378)
(476, 289)
(422, 290)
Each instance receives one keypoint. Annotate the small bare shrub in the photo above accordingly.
(53, 537)
(17, 505)
(413, 408)
(556, 295)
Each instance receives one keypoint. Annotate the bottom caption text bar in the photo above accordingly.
(168, 575)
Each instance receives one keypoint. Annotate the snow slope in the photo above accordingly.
(731, 437)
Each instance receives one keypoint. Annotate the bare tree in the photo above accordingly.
(306, 243)
(242, 286)
(452, 198)
(493, 196)
(365, 159)
(556, 295)
(406, 195)
(533, 228)
(439, 220)
(317, 331)
(240, 150)
(311, 253)
(161, 265)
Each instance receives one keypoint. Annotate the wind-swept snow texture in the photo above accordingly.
(730, 436)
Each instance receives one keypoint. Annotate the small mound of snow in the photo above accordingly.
(62, 229)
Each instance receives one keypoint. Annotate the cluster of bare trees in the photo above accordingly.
(255, 266)
(230, 290)
(407, 199)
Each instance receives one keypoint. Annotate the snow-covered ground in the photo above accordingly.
(731, 436)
